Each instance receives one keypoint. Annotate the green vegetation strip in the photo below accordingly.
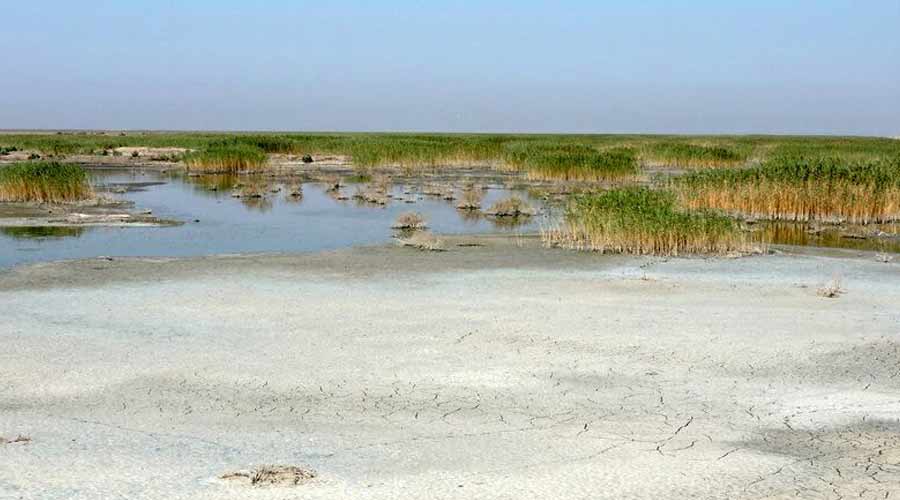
(46, 182)
(547, 160)
(374, 149)
(683, 154)
(645, 222)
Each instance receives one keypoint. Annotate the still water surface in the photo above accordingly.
(225, 225)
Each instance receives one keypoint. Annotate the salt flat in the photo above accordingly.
(500, 371)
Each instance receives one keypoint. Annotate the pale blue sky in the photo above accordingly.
(527, 66)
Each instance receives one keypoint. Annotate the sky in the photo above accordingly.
(653, 66)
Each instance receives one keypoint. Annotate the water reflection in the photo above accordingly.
(870, 238)
(42, 232)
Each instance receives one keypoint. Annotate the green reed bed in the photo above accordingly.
(798, 188)
(227, 158)
(571, 162)
(645, 222)
(45, 182)
(688, 155)
(425, 150)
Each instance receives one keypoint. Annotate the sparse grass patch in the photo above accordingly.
(800, 189)
(272, 475)
(423, 240)
(45, 182)
(644, 222)
(18, 439)
(831, 290)
(232, 158)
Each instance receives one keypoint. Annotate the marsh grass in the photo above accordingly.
(44, 182)
(644, 222)
(414, 151)
(230, 158)
(571, 162)
(797, 188)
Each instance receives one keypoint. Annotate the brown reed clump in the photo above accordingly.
(44, 182)
(800, 189)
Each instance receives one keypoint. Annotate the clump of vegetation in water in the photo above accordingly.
(511, 207)
(45, 182)
(801, 188)
(235, 158)
(688, 155)
(470, 198)
(571, 162)
(410, 221)
(644, 222)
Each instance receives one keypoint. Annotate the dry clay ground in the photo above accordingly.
(482, 372)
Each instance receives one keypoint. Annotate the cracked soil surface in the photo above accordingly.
(481, 372)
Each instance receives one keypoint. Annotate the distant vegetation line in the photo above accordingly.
(576, 157)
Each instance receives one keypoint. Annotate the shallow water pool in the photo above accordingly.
(214, 222)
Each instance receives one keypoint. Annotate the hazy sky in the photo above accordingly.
(567, 66)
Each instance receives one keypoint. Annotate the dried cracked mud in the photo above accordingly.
(493, 371)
